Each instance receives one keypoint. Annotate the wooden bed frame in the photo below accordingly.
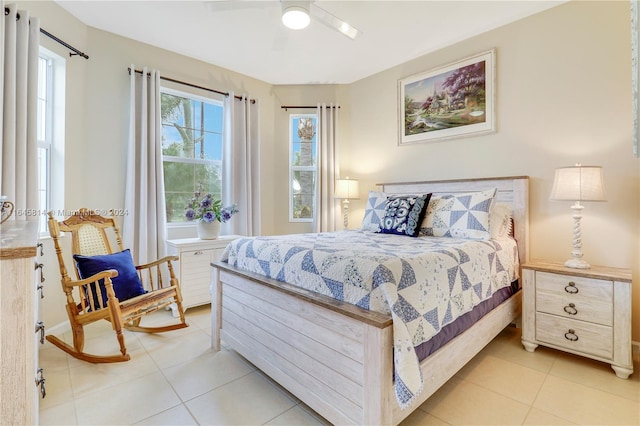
(334, 356)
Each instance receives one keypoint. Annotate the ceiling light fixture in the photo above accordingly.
(295, 15)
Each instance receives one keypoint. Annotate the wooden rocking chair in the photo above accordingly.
(95, 296)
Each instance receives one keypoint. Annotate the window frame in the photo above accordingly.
(52, 146)
(217, 100)
(293, 169)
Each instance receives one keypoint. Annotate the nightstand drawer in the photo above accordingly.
(578, 288)
(579, 336)
(578, 308)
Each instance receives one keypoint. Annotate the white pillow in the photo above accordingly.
(461, 215)
(374, 211)
(500, 220)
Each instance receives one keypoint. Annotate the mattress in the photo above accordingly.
(424, 283)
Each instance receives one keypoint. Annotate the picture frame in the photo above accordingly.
(435, 105)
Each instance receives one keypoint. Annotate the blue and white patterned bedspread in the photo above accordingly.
(425, 283)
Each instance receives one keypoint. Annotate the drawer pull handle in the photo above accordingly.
(571, 288)
(197, 253)
(40, 328)
(40, 382)
(571, 335)
(571, 309)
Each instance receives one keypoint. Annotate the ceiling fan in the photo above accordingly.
(296, 14)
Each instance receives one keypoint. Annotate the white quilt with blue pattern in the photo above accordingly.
(425, 283)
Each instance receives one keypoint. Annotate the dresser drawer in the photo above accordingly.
(579, 336)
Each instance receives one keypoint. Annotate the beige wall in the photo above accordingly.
(563, 95)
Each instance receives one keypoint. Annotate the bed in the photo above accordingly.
(338, 358)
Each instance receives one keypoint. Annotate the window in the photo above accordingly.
(191, 149)
(303, 167)
(50, 133)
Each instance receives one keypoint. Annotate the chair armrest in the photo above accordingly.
(109, 273)
(158, 262)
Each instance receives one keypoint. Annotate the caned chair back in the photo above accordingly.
(89, 234)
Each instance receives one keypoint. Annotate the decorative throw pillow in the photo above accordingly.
(464, 215)
(500, 220)
(403, 214)
(126, 285)
(374, 211)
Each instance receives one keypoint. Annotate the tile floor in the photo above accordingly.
(176, 379)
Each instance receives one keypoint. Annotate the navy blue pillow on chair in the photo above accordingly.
(126, 285)
(403, 214)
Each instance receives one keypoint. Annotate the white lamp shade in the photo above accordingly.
(347, 189)
(295, 16)
(578, 183)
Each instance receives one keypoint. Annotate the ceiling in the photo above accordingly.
(249, 38)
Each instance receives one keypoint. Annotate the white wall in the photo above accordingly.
(563, 95)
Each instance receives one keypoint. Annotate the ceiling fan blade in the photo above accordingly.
(334, 22)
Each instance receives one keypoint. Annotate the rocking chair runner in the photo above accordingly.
(96, 297)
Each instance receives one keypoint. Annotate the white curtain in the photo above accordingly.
(19, 72)
(327, 208)
(241, 165)
(144, 226)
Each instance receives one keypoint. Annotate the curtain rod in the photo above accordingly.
(56, 39)
(173, 80)
(286, 107)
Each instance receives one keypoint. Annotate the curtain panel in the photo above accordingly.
(327, 208)
(241, 164)
(144, 226)
(20, 43)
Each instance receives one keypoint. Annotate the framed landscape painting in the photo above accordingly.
(451, 101)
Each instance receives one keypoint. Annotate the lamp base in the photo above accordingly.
(577, 264)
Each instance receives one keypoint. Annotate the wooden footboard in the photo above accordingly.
(335, 357)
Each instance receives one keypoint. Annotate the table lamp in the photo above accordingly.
(347, 189)
(578, 183)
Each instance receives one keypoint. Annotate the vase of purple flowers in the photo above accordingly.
(209, 213)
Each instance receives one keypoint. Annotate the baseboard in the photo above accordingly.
(59, 329)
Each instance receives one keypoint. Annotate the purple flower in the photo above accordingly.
(208, 217)
(190, 214)
(225, 214)
(206, 202)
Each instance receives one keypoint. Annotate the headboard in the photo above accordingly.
(513, 190)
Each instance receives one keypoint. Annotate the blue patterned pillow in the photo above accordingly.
(374, 211)
(464, 215)
(403, 214)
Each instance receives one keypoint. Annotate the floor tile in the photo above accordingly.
(461, 402)
(206, 372)
(168, 351)
(598, 375)
(58, 387)
(503, 377)
(540, 418)
(178, 415)
(298, 416)
(127, 403)
(585, 405)
(87, 378)
(250, 400)
(61, 414)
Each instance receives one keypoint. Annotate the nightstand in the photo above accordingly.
(194, 267)
(585, 312)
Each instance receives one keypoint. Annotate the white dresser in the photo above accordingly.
(583, 311)
(21, 379)
(194, 267)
